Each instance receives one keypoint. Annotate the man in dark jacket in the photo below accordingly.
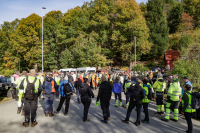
(105, 92)
(86, 96)
(49, 97)
(138, 103)
(77, 86)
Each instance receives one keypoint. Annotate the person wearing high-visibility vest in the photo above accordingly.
(20, 95)
(159, 87)
(173, 96)
(30, 105)
(145, 101)
(187, 107)
(127, 93)
(57, 79)
(49, 97)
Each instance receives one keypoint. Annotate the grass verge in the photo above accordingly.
(3, 99)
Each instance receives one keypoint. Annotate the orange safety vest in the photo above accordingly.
(53, 87)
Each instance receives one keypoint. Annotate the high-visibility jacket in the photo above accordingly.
(57, 79)
(146, 89)
(127, 85)
(19, 80)
(189, 106)
(30, 79)
(174, 91)
(159, 87)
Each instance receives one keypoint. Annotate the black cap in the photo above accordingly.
(186, 77)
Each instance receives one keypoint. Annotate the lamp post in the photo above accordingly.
(42, 38)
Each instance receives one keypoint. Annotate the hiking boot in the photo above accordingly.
(25, 124)
(116, 106)
(51, 114)
(23, 112)
(174, 120)
(188, 131)
(104, 121)
(46, 114)
(125, 121)
(56, 112)
(136, 124)
(19, 110)
(144, 121)
(86, 120)
(34, 124)
(163, 119)
(65, 114)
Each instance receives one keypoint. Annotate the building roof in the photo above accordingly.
(171, 55)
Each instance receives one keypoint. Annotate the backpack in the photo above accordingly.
(48, 87)
(150, 93)
(195, 100)
(67, 89)
(135, 95)
(81, 90)
(30, 90)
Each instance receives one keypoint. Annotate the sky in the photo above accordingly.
(12, 9)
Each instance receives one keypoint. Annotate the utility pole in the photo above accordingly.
(130, 53)
(42, 39)
(135, 49)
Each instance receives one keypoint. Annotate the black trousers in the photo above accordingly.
(119, 95)
(145, 107)
(86, 104)
(188, 117)
(67, 101)
(57, 92)
(105, 109)
(130, 108)
(30, 107)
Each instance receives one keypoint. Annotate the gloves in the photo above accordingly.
(19, 110)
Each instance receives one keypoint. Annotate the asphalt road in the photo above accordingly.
(11, 122)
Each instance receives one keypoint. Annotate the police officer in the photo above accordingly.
(173, 95)
(30, 105)
(20, 95)
(159, 87)
(187, 108)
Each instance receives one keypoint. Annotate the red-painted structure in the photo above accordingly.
(170, 57)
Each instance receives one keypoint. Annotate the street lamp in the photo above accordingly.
(42, 38)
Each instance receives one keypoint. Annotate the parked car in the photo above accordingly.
(5, 85)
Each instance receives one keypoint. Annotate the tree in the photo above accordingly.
(159, 32)
(84, 53)
(129, 22)
(174, 16)
(186, 23)
(53, 39)
(192, 7)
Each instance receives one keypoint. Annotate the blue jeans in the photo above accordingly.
(49, 103)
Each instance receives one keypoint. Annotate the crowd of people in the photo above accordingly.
(27, 88)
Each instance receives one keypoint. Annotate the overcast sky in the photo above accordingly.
(12, 9)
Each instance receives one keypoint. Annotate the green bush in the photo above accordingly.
(140, 68)
(151, 65)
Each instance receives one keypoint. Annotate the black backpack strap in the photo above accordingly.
(34, 80)
(27, 80)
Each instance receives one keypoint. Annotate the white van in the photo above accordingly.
(86, 69)
(68, 70)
